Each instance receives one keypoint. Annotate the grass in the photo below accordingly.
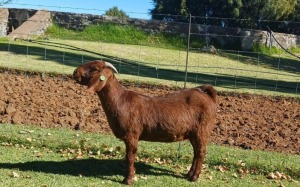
(158, 58)
(121, 34)
(32, 156)
(236, 71)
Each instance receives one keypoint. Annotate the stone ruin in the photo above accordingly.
(25, 23)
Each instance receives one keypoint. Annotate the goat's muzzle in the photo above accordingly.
(77, 76)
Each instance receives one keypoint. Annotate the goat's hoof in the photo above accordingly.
(189, 174)
(193, 178)
(128, 181)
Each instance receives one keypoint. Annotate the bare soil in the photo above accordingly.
(247, 121)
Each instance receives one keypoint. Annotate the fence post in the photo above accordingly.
(187, 51)
(186, 70)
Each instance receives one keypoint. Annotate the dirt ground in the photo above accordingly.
(247, 121)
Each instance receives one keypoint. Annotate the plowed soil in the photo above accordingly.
(247, 121)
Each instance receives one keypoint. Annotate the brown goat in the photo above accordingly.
(187, 114)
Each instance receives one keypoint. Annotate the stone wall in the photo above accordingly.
(18, 16)
(3, 21)
(223, 36)
(245, 39)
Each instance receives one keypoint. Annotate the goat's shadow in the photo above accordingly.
(88, 168)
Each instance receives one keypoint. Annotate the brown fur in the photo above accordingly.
(187, 114)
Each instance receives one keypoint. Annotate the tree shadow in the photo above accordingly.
(267, 61)
(76, 56)
(87, 168)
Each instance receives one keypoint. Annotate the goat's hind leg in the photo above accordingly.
(192, 169)
(131, 151)
(199, 146)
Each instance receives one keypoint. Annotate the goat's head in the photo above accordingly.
(94, 74)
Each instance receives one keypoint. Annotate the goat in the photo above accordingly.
(187, 114)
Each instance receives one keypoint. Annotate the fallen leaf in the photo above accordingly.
(241, 163)
(281, 185)
(28, 177)
(210, 177)
(271, 176)
(143, 177)
(278, 175)
(15, 175)
(29, 139)
(224, 160)
(221, 168)
(235, 175)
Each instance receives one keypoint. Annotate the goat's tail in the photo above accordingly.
(209, 90)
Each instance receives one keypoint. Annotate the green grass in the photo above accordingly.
(32, 156)
(232, 71)
(155, 58)
(113, 33)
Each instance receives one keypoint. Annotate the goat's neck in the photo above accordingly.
(110, 95)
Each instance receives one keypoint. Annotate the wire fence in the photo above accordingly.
(228, 69)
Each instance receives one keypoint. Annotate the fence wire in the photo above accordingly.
(229, 70)
(242, 69)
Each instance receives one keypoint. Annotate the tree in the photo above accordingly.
(234, 13)
(211, 8)
(278, 9)
(163, 8)
(114, 11)
(268, 9)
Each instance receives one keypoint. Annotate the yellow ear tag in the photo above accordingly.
(102, 77)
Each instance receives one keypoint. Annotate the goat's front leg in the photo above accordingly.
(131, 151)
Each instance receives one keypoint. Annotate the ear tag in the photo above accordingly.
(102, 77)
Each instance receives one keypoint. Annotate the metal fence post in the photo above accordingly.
(187, 51)
(186, 69)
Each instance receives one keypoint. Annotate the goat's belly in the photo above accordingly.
(160, 137)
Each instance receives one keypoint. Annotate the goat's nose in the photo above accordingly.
(76, 75)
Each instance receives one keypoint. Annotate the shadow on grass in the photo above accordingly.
(87, 168)
(262, 60)
(77, 56)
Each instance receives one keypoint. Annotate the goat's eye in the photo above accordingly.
(92, 70)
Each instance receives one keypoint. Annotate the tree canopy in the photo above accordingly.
(224, 10)
(114, 11)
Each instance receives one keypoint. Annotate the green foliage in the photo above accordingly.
(114, 11)
(121, 34)
(266, 50)
(277, 9)
(245, 14)
(268, 9)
